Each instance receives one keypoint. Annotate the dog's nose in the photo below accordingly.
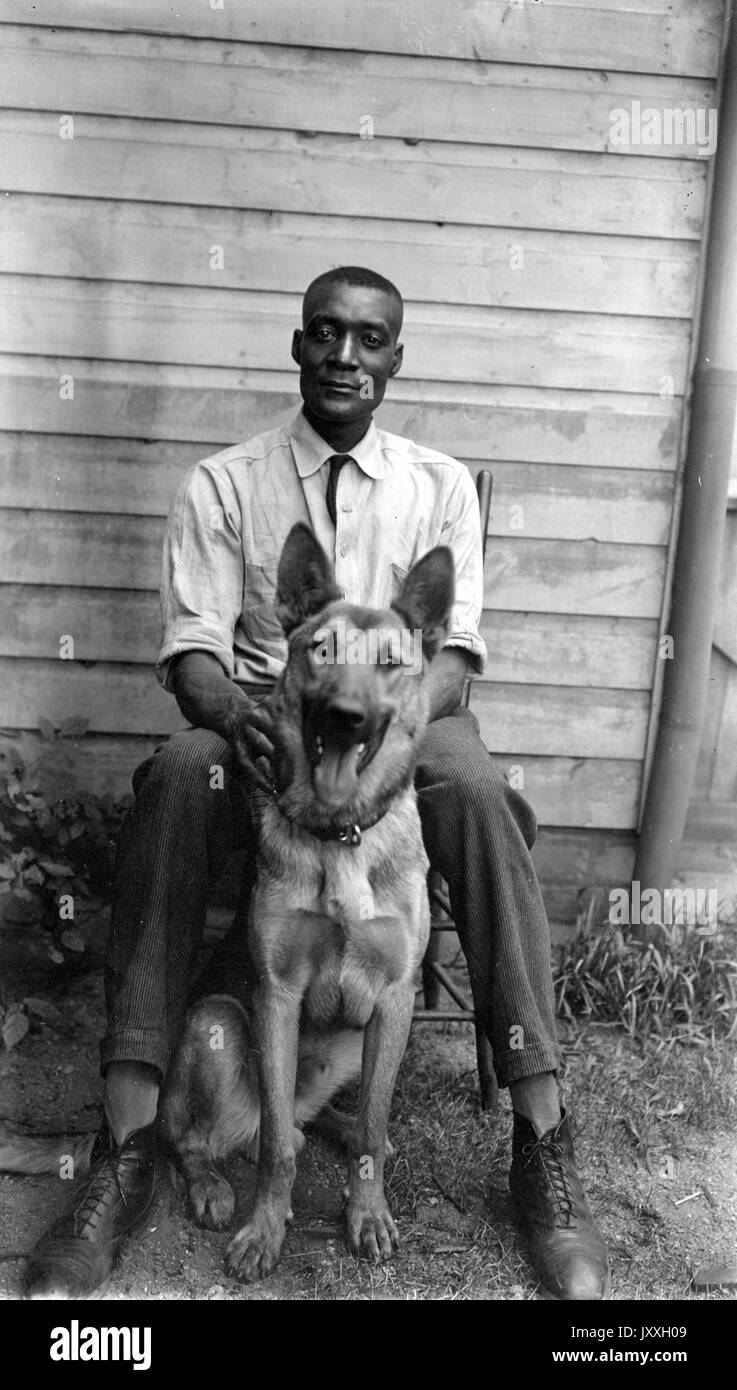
(347, 714)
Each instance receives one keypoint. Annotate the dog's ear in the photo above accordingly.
(304, 581)
(427, 597)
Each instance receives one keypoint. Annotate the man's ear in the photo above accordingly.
(304, 580)
(397, 359)
(427, 597)
(297, 337)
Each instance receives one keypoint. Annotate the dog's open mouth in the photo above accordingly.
(337, 764)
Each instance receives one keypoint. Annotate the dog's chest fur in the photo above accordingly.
(338, 923)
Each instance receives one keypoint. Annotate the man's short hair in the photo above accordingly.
(353, 275)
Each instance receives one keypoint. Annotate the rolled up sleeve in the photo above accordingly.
(202, 572)
(461, 530)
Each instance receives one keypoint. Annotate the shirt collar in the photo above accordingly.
(311, 451)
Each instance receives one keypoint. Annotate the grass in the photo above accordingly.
(654, 1113)
(681, 988)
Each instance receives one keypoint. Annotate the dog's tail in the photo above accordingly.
(23, 1151)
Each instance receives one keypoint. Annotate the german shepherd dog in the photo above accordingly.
(337, 925)
(338, 920)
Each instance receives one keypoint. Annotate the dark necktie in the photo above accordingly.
(336, 463)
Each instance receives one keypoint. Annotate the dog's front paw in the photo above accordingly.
(370, 1229)
(254, 1250)
(212, 1201)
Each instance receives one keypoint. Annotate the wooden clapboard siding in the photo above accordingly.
(130, 400)
(288, 88)
(542, 576)
(583, 792)
(525, 648)
(620, 581)
(251, 329)
(282, 171)
(66, 471)
(550, 283)
(282, 252)
(683, 37)
(121, 698)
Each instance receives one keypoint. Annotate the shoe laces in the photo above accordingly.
(90, 1208)
(552, 1159)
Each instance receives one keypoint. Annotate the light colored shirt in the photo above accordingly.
(234, 510)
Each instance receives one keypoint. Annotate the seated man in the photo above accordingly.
(376, 502)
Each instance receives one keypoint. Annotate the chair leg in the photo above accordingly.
(430, 982)
(487, 1079)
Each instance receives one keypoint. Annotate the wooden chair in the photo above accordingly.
(434, 973)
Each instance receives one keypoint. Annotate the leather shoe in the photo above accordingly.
(76, 1255)
(566, 1246)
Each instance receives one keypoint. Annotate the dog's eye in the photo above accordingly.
(322, 646)
(395, 647)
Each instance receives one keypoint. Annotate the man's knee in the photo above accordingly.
(454, 757)
(195, 764)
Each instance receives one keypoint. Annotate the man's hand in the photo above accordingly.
(249, 731)
(209, 700)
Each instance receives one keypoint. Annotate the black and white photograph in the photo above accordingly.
(368, 652)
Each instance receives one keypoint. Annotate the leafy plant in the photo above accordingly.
(57, 845)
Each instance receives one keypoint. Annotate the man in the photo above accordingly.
(376, 502)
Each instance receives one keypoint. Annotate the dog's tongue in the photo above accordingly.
(336, 775)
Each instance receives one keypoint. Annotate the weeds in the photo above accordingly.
(682, 988)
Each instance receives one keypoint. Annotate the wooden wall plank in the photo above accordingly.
(70, 473)
(564, 503)
(522, 575)
(284, 252)
(111, 625)
(683, 38)
(524, 648)
(288, 88)
(589, 792)
(281, 171)
(580, 577)
(590, 858)
(559, 721)
(246, 328)
(577, 723)
(216, 406)
(570, 649)
(80, 550)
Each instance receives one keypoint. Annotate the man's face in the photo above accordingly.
(346, 352)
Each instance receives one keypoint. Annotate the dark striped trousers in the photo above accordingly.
(188, 816)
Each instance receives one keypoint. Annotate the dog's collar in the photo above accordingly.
(349, 834)
(346, 834)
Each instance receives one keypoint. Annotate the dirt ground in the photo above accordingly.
(655, 1138)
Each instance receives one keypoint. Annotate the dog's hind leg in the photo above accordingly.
(327, 1062)
(211, 1106)
(341, 1129)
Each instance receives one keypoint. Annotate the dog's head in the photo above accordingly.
(350, 709)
